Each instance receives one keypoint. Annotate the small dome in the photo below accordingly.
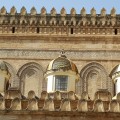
(3, 66)
(62, 63)
(61, 74)
(115, 72)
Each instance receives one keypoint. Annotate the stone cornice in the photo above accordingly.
(51, 54)
(61, 38)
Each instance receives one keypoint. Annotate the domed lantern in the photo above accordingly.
(61, 75)
(115, 75)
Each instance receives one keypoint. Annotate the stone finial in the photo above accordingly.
(65, 105)
(71, 95)
(73, 12)
(98, 106)
(57, 95)
(83, 12)
(16, 104)
(103, 12)
(104, 95)
(44, 95)
(82, 105)
(31, 94)
(53, 12)
(23, 11)
(85, 96)
(3, 11)
(13, 11)
(43, 11)
(2, 104)
(32, 104)
(33, 11)
(49, 105)
(93, 12)
(114, 106)
(113, 12)
(63, 12)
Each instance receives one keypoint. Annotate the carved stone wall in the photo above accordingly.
(29, 41)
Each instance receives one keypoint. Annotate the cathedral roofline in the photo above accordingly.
(53, 12)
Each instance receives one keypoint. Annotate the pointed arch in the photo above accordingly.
(93, 77)
(31, 78)
(14, 80)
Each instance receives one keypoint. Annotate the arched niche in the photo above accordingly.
(93, 77)
(14, 80)
(31, 78)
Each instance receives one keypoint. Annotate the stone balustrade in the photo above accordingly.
(54, 103)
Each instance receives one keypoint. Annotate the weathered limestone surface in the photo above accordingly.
(29, 41)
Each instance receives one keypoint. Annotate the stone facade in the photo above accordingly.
(29, 41)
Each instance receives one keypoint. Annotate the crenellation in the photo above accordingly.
(23, 11)
(33, 11)
(40, 20)
(13, 11)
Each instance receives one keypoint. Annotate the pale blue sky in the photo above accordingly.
(58, 4)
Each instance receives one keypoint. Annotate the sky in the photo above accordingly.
(58, 4)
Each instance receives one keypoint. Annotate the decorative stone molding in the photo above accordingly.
(49, 55)
(33, 19)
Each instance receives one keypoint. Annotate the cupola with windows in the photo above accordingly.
(61, 75)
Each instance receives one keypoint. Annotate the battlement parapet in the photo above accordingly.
(59, 24)
(58, 101)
